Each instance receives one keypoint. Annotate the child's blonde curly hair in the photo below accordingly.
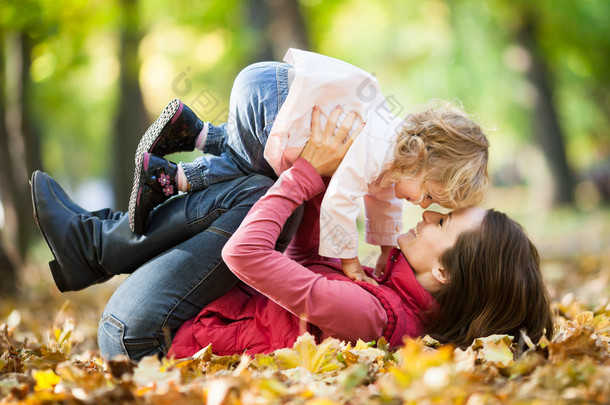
(450, 148)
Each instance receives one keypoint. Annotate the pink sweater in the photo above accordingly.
(288, 294)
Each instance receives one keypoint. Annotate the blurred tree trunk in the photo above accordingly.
(28, 158)
(546, 123)
(8, 267)
(279, 25)
(19, 148)
(131, 119)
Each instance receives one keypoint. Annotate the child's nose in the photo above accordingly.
(425, 203)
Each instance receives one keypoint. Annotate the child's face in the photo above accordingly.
(411, 189)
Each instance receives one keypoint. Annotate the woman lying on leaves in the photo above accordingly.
(459, 276)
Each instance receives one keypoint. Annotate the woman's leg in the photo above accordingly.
(91, 247)
(145, 311)
(237, 147)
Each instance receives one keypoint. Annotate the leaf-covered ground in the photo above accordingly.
(55, 360)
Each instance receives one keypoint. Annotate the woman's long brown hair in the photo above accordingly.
(495, 286)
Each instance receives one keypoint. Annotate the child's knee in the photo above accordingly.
(254, 77)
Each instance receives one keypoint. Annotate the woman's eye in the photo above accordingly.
(440, 222)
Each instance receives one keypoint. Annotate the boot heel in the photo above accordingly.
(58, 276)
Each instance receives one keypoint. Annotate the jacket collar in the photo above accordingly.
(401, 279)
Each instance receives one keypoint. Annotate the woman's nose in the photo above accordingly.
(431, 216)
(427, 216)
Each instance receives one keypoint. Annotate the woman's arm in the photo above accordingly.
(339, 308)
(306, 241)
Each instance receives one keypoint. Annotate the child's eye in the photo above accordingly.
(440, 222)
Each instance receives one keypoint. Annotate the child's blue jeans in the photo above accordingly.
(236, 147)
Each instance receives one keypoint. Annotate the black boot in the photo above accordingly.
(60, 193)
(153, 184)
(175, 130)
(90, 250)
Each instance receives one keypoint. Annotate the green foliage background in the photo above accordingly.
(419, 50)
(463, 50)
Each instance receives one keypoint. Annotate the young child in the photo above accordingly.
(434, 156)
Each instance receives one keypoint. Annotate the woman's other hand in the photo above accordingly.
(326, 148)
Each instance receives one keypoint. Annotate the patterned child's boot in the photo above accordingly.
(153, 184)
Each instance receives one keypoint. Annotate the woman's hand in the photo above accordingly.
(325, 149)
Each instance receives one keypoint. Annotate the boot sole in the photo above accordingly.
(146, 144)
(54, 265)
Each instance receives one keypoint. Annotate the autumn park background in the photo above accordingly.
(81, 80)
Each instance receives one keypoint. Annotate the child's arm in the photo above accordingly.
(383, 217)
(383, 223)
(340, 208)
(363, 163)
(382, 260)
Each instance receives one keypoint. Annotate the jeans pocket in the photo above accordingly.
(202, 223)
(110, 337)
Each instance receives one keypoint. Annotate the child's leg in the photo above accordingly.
(258, 93)
(256, 98)
(233, 149)
(219, 164)
(237, 147)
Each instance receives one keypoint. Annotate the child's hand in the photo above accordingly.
(353, 270)
(382, 260)
(326, 149)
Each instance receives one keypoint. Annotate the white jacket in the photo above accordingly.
(328, 82)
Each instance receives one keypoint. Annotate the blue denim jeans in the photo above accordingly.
(236, 148)
(144, 313)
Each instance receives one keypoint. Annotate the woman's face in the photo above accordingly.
(424, 244)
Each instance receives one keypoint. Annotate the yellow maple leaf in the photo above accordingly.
(306, 353)
(45, 380)
(495, 349)
(415, 358)
(361, 345)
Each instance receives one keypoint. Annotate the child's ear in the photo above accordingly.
(440, 275)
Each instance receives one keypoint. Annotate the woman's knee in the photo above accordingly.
(131, 336)
(111, 336)
(129, 325)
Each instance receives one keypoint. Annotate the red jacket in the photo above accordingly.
(283, 296)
